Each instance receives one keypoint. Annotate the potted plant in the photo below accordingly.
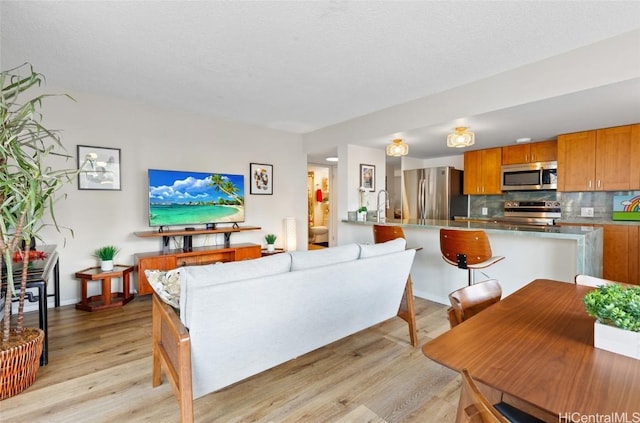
(617, 312)
(27, 192)
(271, 239)
(106, 255)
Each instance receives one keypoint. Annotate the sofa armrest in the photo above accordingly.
(171, 346)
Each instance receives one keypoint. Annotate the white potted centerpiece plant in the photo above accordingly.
(271, 239)
(617, 312)
(106, 255)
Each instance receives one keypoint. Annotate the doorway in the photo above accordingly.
(319, 202)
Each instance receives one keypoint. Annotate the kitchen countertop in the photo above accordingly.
(592, 221)
(490, 226)
(556, 252)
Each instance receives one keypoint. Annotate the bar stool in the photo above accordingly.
(468, 250)
(407, 312)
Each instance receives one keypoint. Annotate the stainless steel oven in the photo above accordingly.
(530, 176)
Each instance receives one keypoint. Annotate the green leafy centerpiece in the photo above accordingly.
(617, 312)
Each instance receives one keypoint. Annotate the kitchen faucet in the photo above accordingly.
(386, 206)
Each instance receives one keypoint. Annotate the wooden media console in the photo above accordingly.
(168, 259)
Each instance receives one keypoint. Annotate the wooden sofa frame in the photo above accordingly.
(172, 348)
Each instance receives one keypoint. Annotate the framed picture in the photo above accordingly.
(99, 168)
(368, 177)
(261, 179)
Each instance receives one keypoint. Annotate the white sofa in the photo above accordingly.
(240, 318)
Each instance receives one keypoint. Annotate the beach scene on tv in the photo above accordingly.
(190, 198)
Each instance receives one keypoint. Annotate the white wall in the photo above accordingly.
(351, 157)
(156, 138)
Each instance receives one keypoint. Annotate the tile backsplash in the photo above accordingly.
(571, 202)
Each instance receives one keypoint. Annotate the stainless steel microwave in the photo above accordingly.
(530, 176)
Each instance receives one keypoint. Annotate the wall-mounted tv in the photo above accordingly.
(178, 198)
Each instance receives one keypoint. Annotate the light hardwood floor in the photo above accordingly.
(100, 371)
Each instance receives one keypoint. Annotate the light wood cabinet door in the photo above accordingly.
(247, 253)
(152, 263)
(472, 172)
(492, 170)
(482, 171)
(615, 149)
(516, 154)
(621, 245)
(577, 161)
(544, 151)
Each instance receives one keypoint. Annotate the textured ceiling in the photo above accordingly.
(293, 65)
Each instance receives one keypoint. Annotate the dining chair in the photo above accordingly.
(467, 249)
(468, 301)
(474, 407)
(384, 233)
(592, 281)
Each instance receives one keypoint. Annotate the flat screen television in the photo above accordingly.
(178, 198)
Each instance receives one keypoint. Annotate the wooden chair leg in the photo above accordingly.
(407, 312)
(156, 328)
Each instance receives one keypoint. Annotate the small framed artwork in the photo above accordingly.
(99, 168)
(261, 179)
(368, 177)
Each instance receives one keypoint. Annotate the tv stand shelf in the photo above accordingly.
(170, 259)
(168, 234)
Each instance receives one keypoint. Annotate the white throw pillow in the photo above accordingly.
(372, 250)
(166, 284)
(316, 258)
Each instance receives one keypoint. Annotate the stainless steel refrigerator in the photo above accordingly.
(433, 193)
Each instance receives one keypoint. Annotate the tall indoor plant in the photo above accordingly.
(27, 192)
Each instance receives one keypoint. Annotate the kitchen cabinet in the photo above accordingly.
(544, 151)
(621, 254)
(621, 251)
(482, 171)
(600, 160)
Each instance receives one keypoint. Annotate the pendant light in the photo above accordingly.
(397, 148)
(460, 138)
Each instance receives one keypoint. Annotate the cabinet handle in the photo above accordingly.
(599, 184)
(589, 186)
(526, 158)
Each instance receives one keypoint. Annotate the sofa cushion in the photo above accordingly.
(166, 284)
(237, 270)
(316, 258)
(372, 250)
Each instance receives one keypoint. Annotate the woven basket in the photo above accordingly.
(19, 365)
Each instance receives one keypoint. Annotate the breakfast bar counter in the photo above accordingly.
(531, 252)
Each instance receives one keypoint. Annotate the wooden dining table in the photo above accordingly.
(535, 347)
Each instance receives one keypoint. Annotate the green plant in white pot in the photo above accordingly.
(617, 312)
(106, 255)
(271, 239)
(28, 187)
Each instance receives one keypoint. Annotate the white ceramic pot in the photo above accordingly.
(271, 248)
(616, 340)
(106, 265)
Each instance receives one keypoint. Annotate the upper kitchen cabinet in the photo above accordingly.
(482, 171)
(600, 160)
(544, 151)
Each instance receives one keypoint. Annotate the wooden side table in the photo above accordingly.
(106, 299)
(265, 252)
